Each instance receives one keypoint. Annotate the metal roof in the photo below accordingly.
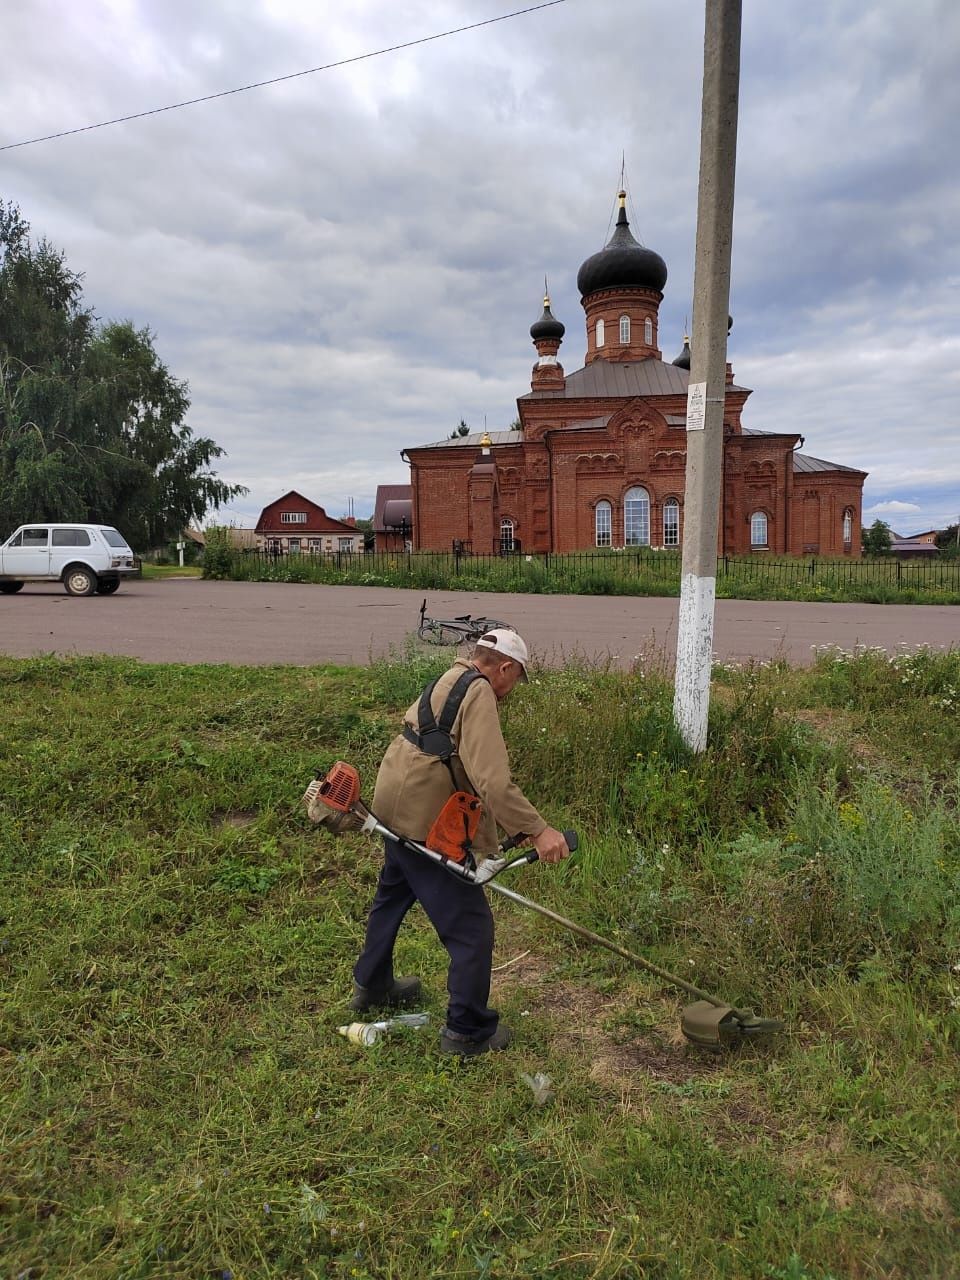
(588, 424)
(473, 440)
(804, 462)
(388, 493)
(621, 378)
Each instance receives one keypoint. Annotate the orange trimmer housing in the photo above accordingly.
(455, 826)
(340, 789)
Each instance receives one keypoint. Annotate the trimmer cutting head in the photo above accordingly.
(712, 1026)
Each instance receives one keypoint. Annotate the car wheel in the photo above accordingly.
(108, 587)
(79, 581)
(10, 588)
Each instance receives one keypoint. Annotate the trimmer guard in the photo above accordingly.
(708, 1025)
(713, 1025)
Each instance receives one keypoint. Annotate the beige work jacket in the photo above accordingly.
(413, 787)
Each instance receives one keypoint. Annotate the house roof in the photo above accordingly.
(317, 520)
(914, 544)
(389, 493)
(621, 378)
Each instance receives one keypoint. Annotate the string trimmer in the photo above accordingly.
(334, 803)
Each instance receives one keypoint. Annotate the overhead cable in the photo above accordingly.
(293, 75)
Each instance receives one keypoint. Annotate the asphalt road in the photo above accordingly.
(260, 623)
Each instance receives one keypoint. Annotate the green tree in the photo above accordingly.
(91, 420)
(461, 429)
(877, 539)
(948, 540)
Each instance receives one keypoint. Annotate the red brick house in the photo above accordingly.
(293, 525)
(393, 518)
(600, 457)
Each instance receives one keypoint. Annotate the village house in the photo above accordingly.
(600, 457)
(293, 525)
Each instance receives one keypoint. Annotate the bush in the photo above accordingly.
(219, 558)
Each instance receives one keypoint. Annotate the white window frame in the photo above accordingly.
(648, 331)
(636, 517)
(759, 525)
(293, 517)
(624, 331)
(603, 523)
(345, 544)
(847, 527)
(599, 331)
(671, 527)
(507, 531)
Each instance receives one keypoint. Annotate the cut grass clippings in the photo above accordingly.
(176, 945)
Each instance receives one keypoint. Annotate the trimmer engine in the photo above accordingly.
(333, 802)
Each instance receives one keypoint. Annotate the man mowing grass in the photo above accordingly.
(451, 741)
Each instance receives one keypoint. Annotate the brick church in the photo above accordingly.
(599, 458)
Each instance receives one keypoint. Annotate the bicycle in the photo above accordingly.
(459, 630)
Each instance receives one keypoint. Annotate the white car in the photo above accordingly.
(86, 558)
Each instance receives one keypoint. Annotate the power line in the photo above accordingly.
(294, 75)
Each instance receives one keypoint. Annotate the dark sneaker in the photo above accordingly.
(404, 991)
(451, 1042)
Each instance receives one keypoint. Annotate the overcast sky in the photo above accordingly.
(349, 262)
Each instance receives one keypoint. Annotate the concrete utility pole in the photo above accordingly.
(708, 359)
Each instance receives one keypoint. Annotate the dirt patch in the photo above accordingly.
(582, 1015)
(899, 1197)
(236, 818)
(834, 727)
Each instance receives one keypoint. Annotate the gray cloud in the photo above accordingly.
(348, 263)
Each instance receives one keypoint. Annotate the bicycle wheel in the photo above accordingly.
(442, 633)
(478, 626)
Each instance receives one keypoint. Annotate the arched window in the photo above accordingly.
(599, 333)
(636, 518)
(506, 534)
(758, 529)
(847, 527)
(648, 331)
(624, 330)
(671, 523)
(603, 523)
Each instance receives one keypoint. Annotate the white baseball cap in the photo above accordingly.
(509, 644)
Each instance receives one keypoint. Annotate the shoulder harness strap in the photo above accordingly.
(434, 736)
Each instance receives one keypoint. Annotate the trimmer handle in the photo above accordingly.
(571, 838)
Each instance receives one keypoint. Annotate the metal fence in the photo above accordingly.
(599, 570)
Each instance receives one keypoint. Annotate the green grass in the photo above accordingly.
(633, 571)
(176, 943)
(171, 570)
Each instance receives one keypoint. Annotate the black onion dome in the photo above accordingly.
(623, 263)
(683, 359)
(548, 326)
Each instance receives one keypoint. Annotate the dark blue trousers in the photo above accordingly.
(462, 918)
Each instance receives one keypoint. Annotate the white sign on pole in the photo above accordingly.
(696, 406)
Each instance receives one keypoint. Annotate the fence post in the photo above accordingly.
(899, 571)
